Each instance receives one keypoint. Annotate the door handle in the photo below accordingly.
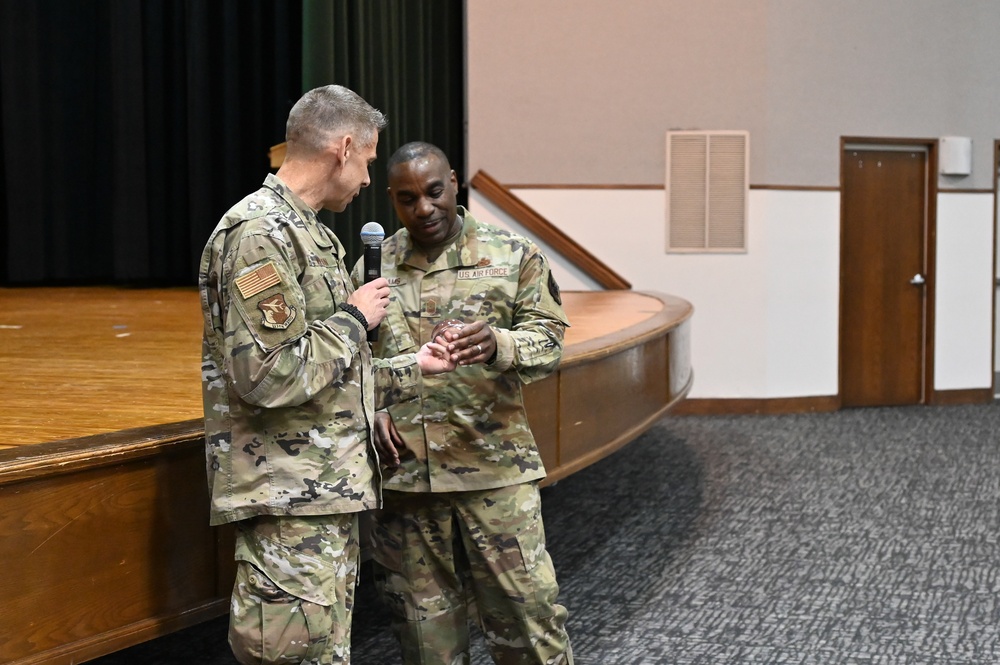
(917, 279)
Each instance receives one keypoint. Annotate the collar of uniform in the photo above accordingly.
(463, 252)
(320, 234)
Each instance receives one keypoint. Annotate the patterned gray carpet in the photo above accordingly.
(866, 536)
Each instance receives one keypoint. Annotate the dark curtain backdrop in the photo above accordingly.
(129, 128)
(405, 58)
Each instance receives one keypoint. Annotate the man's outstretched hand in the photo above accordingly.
(434, 358)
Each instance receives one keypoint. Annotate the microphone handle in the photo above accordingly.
(373, 270)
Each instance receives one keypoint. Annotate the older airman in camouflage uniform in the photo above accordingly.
(290, 388)
(462, 514)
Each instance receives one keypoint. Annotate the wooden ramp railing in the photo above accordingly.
(546, 231)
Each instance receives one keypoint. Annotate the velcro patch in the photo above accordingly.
(257, 280)
(479, 273)
(554, 290)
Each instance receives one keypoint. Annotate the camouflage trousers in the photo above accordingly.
(443, 558)
(294, 591)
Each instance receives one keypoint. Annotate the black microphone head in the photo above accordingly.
(372, 234)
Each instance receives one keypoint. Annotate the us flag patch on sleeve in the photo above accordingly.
(257, 280)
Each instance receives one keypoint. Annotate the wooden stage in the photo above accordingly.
(104, 529)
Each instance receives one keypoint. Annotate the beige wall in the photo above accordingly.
(583, 91)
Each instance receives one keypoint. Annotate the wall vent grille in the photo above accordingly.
(706, 187)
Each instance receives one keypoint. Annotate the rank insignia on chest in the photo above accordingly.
(278, 314)
(257, 280)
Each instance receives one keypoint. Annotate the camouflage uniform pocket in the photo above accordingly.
(540, 583)
(532, 546)
(268, 624)
(318, 291)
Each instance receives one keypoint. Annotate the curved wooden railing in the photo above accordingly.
(627, 363)
(525, 215)
(111, 529)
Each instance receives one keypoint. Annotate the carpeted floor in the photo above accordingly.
(865, 536)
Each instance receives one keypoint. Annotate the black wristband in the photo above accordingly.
(492, 358)
(355, 312)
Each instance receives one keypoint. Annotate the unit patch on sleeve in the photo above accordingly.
(278, 314)
(554, 290)
(257, 280)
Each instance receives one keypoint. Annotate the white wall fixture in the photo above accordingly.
(955, 155)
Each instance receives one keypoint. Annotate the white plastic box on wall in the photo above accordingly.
(955, 155)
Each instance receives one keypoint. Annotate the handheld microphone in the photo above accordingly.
(372, 234)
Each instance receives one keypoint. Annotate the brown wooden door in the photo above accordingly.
(882, 311)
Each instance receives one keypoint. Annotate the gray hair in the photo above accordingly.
(323, 113)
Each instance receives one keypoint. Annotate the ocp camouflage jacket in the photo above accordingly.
(288, 381)
(469, 430)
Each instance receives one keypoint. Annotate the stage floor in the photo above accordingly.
(86, 361)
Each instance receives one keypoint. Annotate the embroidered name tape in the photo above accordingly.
(257, 280)
(479, 273)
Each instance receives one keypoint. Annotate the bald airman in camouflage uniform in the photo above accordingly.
(462, 516)
(290, 388)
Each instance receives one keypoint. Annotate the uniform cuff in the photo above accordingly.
(505, 350)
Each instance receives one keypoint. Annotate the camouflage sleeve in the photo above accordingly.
(397, 379)
(275, 356)
(533, 346)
